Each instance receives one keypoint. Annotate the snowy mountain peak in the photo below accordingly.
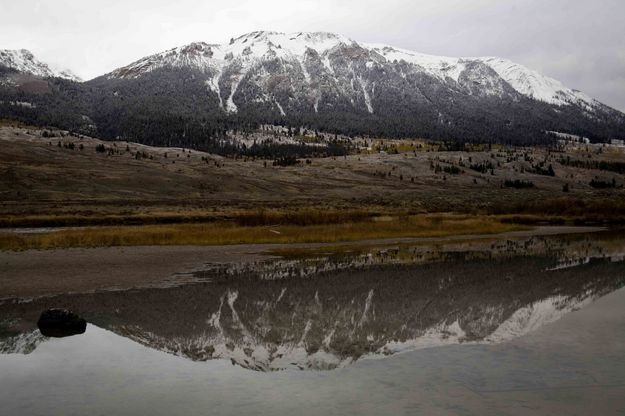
(533, 84)
(524, 80)
(252, 48)
(315, 40)
(23, 60)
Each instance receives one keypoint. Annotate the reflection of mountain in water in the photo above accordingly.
(337, 314)
(13, 342)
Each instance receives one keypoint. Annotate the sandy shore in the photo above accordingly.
(35, 273)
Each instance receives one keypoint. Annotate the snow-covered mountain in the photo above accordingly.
(24, 61)
(301, 49)
(192, 95)
(317, 59)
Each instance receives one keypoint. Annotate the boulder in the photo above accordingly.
(61, 323)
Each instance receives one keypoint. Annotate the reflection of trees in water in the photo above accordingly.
(564, 251)
(337, 315)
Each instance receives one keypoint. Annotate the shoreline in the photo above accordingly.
(37, 273)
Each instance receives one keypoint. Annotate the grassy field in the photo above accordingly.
(178, 196)
(245, 217)
(231, 232)
(44, 184)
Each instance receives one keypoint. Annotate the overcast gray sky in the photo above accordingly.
(580, 42)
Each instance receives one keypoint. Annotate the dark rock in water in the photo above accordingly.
(61, 323)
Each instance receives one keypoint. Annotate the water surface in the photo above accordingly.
(530, 325)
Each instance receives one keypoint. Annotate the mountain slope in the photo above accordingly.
(330, 82)
(25, 62)
(36, 93)
(194, 95)
(303, 49)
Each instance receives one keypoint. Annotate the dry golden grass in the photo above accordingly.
(78, 219)
(243, 217)
(302, 216)
(223, 233)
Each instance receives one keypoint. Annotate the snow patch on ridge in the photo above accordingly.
(213, 85)
(280, 108)
(231, 107)
(366, 94)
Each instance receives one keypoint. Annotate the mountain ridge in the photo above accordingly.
(523, 79)
(194, 94)
(23, 60)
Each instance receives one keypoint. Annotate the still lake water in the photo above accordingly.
(521, 326)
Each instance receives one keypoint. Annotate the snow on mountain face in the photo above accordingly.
(439, 66)
(24, 61)
(247, 48)
(533, 84)
(303, 51)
